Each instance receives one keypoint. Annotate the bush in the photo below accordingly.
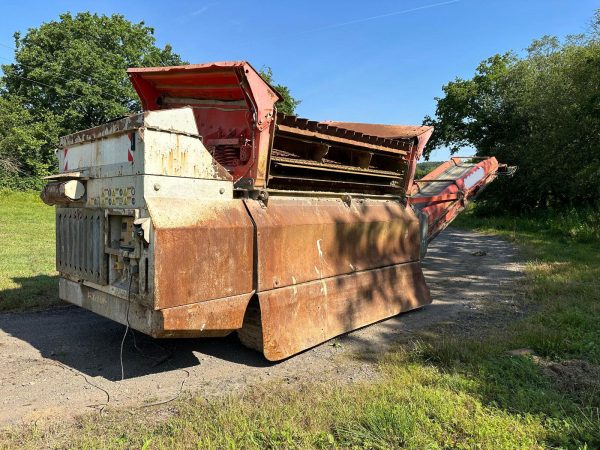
(540, 112)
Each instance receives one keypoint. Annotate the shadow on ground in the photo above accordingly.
(458, 268)
(91, 344)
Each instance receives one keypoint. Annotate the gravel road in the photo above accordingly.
(65, 361)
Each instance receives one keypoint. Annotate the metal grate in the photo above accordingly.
(80, 244)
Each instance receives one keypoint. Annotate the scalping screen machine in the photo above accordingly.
(211, 213)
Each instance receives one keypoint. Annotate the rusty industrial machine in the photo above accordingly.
(211, 213)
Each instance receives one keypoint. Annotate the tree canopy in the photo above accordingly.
(540, 112)
(68, 75)
(289, 104)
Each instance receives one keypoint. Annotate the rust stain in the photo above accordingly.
(307, 239)
(123, 125)
(381, 130)
(204, 250)
(224, 314)
(298, 317)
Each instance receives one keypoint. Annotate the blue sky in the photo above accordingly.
(362, 61)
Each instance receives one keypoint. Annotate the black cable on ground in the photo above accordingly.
(127, 327)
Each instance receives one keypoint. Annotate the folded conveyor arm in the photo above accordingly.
(442, 194)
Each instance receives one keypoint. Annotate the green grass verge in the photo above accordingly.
(446, 390)
(563, 250)
(27, 247)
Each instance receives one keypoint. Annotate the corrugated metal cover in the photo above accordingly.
(80, 244)
(381, 130)
(333, 129)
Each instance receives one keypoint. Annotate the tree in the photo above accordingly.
(289, 103)
(75, 67)
(424, 167)
(540, 112)
(22, 143)
(69, 75)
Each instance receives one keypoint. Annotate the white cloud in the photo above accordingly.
(199, 11)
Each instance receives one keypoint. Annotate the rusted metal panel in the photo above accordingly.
(371, 135)
(203, 250)
(118, 126)
(104, 157)
(413, 158)
(164, 143)
(303, 239)
(214, 316)
(381, 130)
(228, 98)
(225, 95)
(354, 139)
(137, 316)
(301, 316)
(170, 154)
(206, 319)
(163, 245)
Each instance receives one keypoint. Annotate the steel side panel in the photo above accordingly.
(138, 316)
(205, 319)
(203, 250)
(300, 240)
(298, 317)
(224, 314)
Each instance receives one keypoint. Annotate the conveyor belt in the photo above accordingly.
(427, 189)
(443, 193)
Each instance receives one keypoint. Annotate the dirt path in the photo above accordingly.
(65, 361)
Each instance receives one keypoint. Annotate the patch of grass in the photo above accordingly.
(414, 406)
(446, 389)
(563, 249)
(27, 247)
